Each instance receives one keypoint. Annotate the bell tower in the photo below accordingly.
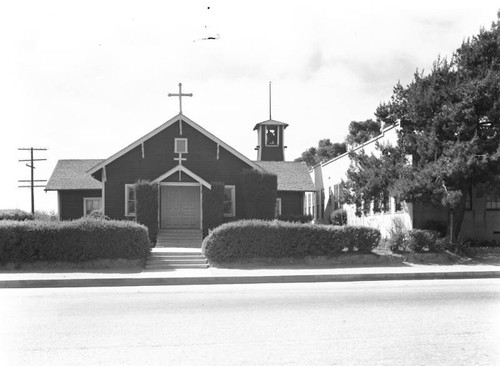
(270, 138)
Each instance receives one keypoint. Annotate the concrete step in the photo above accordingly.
(168, 258)
(177, 261)
(176, 266)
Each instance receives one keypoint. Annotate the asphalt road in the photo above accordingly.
(447, 322)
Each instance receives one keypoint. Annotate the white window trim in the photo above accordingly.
(127, 186)
(233, 201)
(278, 204)
(85, 199)
(176, 150)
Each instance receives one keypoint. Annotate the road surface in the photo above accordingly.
(447, 322)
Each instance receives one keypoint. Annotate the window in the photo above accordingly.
(468, 200)
(337, 190)
(398, 204)
(229, 201)
(129, 200)
(91, 204)
(322, 203)
(277, 211)
(493, 202)
(386, 203)
(181, 146)
(271, 135)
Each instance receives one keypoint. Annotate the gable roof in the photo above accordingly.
(185, 170)
(157, 130)
(72, 174)
(292, 176)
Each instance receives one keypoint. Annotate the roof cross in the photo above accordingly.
(180, 95)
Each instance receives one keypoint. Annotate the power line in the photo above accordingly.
(32, 181)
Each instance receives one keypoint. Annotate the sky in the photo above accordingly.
(84, 79)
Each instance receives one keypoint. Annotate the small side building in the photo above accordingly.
(481, 219)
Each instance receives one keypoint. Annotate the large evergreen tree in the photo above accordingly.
(325, 151)
(450, 127)
(361, 132)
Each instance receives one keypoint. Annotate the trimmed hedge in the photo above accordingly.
(72, 241)
(213, 206)
(259, 194)
(296, 218)
(16, 215)
(146, 196)
(278, 239)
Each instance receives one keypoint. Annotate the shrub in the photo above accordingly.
(296, 218)
(213, 206)
(338, 217)
(73, 241)
(46, 216)
(435, 225)
(259, 193)
(418, 241)
(146, 210)
(97, 215)
(278, 239)
(15, 214)
(478, 243)
(397, 235)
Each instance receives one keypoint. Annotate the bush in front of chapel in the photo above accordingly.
(72, 241)
(249, 239)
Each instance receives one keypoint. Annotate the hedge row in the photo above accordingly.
(213, 206)
(259, 194)
(278, 239)
(15, 214)
(296, 218)
(146, 210)
(73, 241)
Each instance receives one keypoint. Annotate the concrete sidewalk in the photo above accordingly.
(100, 278)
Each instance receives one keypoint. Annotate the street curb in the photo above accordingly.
(226, 280)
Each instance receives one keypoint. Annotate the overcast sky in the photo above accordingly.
(87, 78)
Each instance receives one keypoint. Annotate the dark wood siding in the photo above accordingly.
(159, 158)
(291, 202)
(71, 203)
(272, 153)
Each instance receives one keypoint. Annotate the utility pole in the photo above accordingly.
(33, 182)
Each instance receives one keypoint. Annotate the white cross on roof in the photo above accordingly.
(180, 95)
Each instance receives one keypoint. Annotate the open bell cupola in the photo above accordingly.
(270, 138)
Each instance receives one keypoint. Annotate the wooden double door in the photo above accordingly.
(180, 206)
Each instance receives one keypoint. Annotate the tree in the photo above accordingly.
(450, 126)
(325, 151)
(361, 132)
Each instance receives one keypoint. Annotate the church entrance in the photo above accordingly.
(180, 206)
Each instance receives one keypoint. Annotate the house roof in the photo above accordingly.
(292, 176)
(157, 130)
(270, 122)
(72, 175)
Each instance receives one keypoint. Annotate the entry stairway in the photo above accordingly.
(179, 238)
(176, 258)
(176, 249)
